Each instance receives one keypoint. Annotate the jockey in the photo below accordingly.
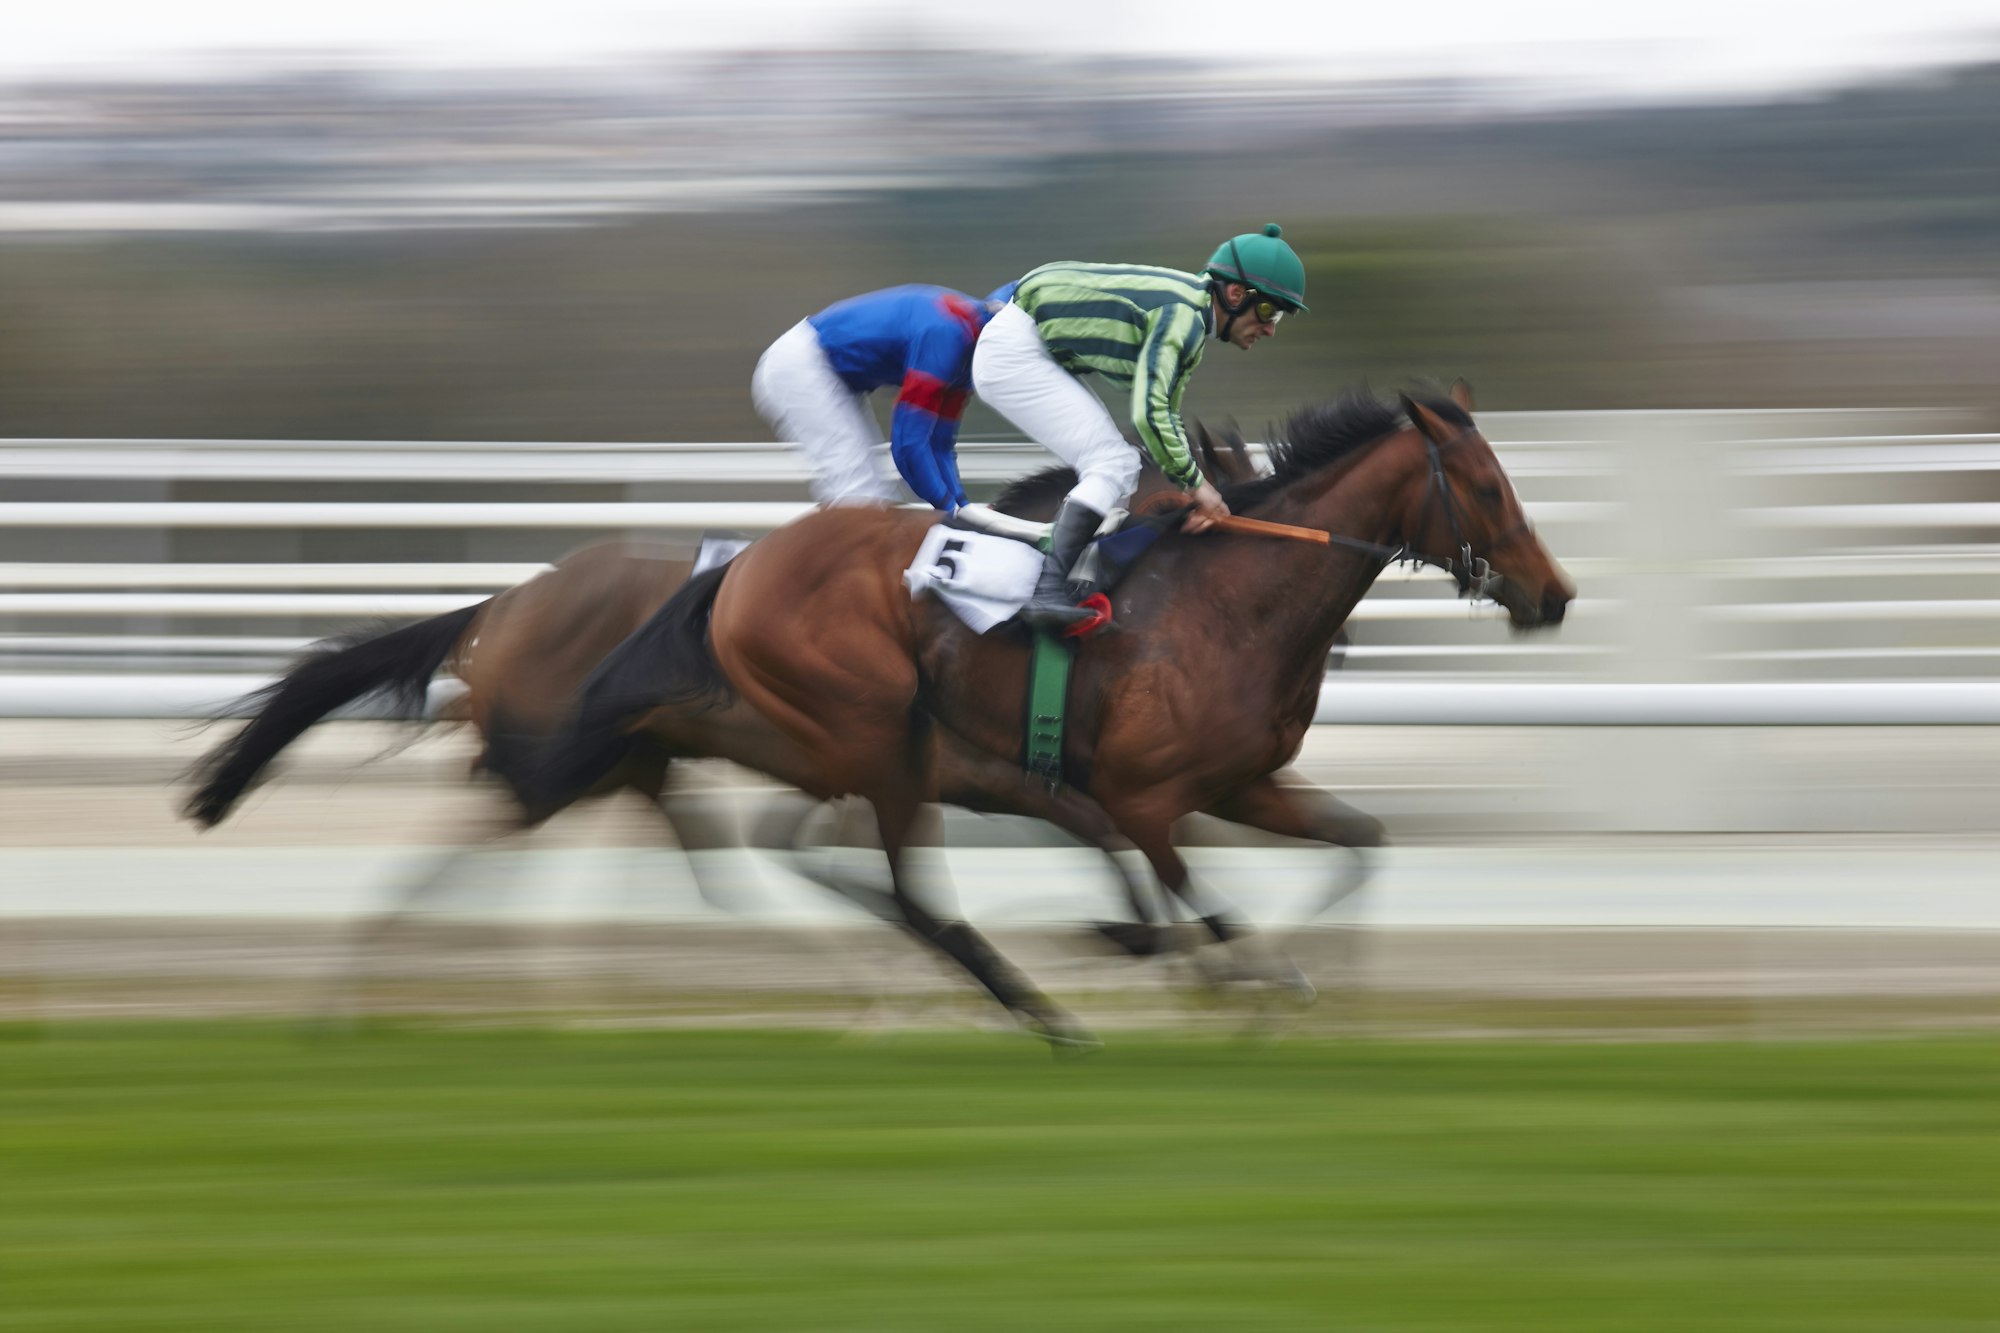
(812, 385)
(1143, 329)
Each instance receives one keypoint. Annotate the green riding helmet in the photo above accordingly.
(1261, 259)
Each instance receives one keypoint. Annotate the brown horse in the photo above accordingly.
(1199, 706)
(523, 656)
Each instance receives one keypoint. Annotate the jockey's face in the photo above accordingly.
(1248, 329)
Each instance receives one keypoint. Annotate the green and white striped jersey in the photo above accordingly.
(1142, 328)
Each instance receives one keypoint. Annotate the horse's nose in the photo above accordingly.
(1554, 603)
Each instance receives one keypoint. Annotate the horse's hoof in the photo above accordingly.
(1137, 938)
(1065, 1036)
(1279, 977)
(1292, 985)
(1072, 1045)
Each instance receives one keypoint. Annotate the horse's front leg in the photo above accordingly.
(1286, 804)
(1148, 820)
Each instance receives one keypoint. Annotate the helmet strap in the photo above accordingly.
(1233, 312)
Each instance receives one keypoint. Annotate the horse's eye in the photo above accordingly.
(1487, 494)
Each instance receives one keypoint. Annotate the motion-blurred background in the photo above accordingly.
(305, 246)
(314, 314)
(284, 299)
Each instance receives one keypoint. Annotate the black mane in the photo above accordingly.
(1317, 437)
(1313, 438)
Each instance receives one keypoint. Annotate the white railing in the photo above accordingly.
(1713, 549)
(1343, 702)
(667, 516)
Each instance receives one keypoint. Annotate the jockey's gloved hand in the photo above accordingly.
(1208, 507)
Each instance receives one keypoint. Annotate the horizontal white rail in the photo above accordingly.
(324, 460)
(130, 646)
(1867, 460)
(1346, 702)
(553, 460)
(490, 577)
(689, 516)
(291, 576)
(1592, 704)
(225, 604)
(256, 604)
(1940, 515)
(1912, 608)
(676, 516)
(154, 696)
(494, 576)
(139, 645)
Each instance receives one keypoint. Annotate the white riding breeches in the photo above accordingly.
(796, 390)
(1013, 372)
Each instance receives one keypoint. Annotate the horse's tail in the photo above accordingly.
(398, 664)
(662, 664)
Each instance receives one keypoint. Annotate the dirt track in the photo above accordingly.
(82, 804)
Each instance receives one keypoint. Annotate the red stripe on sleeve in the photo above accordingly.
(966, 312)
(931, 394)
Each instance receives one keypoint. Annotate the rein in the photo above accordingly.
(1473, 574)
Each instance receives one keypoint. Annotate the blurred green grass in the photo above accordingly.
(224, 1176)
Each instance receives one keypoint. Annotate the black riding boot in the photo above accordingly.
(1053, 604)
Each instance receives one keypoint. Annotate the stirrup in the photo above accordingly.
(1099, 618)
(1054, 613)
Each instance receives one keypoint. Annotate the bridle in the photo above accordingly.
(1473, 574)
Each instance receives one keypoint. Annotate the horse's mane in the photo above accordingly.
(1313, 438)
(1317, 437)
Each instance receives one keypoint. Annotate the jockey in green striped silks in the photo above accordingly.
(1143, 329)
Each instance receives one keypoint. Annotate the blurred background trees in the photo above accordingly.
(341, 257)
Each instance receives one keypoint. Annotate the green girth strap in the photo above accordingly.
(1048, 692)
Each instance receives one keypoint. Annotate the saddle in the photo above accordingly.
(1121, 539)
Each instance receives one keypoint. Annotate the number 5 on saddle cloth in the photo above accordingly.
(985, 579)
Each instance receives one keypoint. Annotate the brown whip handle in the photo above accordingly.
(1257, 527)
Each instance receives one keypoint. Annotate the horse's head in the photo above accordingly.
(1465, 516)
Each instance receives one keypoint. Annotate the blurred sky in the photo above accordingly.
(1690, 47)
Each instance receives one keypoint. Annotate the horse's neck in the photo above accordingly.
(1313, 589)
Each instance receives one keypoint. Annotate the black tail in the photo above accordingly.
(664, 662)
(398, 664)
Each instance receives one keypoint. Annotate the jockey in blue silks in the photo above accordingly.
(813, 383)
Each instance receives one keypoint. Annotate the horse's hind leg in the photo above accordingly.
(994, 786)
(337, 1005)
(776, 829)
(781, 829)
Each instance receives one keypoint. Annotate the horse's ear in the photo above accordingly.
(1434, 427)
(1461, 393)
(1204, 445)
(1234, 456)
(1239, 452)
(1222, 452)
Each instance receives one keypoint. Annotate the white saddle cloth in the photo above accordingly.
(984, 579)
(717, 551)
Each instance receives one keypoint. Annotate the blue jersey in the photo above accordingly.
(919, 338)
